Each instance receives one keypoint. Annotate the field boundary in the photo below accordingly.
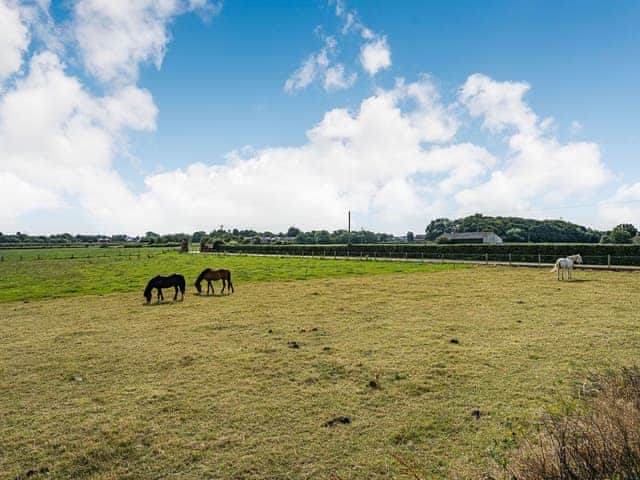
(486, 262)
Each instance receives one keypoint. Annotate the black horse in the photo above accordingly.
(159, 282)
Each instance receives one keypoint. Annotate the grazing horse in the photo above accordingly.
(210, 275)
(563, 264)
(159, 282)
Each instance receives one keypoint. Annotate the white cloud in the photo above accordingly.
(394, 161)
(500, 104)
(539, 169)
(576, 127)
(373, 161)
(314, 66)
(116, 36)
(375, 56)
(623, 207)
(336, 79)
(14, 38)
(58, 141)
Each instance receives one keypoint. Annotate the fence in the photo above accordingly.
(99, 254)
(437, 254)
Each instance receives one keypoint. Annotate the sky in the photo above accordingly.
(184, 115)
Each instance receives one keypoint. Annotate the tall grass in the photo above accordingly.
(602, 442)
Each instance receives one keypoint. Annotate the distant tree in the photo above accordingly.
(195, 238)
(620, 235)
(515, 235)
(321, 237)
(293, 232)
(633, 231)
(437, 227)
(410, 237)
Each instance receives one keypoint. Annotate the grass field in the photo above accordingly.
(101, 387)
(102, 271)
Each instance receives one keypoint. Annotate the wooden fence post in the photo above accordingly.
(609, 261)
(509, 259)
(539, 259)
(486, 258)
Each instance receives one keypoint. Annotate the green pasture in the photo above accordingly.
(48, 273)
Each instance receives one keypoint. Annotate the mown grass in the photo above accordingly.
(122, 271)
(101, 387)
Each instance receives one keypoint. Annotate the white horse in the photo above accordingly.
(566, 264)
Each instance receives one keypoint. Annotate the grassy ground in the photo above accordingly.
(127, 270)
(100, 387)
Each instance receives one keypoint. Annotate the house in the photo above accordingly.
(470, 237)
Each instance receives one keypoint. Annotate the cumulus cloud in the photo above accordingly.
(116, 36)
(14, 38)
(316, 66)
(395, 160)
(335, 78)
(622, 207)
(373, 161)
(375, 56)
(58, 141)
(539, 168)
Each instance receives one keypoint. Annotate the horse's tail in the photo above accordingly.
(182, 284)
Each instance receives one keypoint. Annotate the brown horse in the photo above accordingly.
(210, 275)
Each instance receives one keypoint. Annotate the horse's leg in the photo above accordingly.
(175, 295)
(224, 284)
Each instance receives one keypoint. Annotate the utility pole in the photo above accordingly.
(349, 227)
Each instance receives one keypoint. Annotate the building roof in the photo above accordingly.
(468, 235)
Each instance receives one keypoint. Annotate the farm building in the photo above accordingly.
(470, 237)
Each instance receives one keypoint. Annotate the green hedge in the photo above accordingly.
(596, 254)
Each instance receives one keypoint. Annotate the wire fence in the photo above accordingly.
(603, 261)
(130, 254)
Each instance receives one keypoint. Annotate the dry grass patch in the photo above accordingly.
(599, 441)
(104, 388)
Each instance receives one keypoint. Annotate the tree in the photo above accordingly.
(437, 227)
(293, 232)
(195, 238)
(620, 235)
(515, 235)
(410, 237)
(633, 231)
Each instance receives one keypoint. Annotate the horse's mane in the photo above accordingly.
(201, 276)
(149, 287)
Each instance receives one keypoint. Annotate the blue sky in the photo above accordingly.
(220, 86)
(212, 81)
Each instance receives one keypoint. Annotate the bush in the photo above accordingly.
(602, 442)
(592, 253)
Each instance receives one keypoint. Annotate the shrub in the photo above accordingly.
(601, 442)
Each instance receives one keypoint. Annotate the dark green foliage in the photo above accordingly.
(592, 253)
(623, 233)
(515, 229)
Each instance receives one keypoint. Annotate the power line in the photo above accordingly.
(569, 207)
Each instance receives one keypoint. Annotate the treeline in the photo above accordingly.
(62, 239)
(516, 229)
(510, 229)
(292, 235)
